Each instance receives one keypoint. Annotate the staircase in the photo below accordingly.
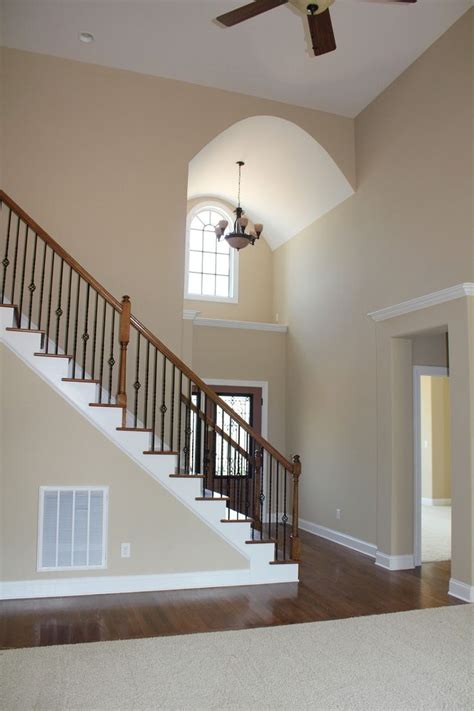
(90, 348)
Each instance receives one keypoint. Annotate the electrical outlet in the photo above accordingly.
(125, 550)
(338, 513)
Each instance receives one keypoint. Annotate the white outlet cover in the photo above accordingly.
(125, 550)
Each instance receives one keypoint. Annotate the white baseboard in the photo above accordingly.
(356, 544)
(395, 562)
(435, 502)
(463, 591)
(108, 584)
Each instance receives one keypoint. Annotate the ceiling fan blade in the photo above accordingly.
(322, 33)
(247, 11)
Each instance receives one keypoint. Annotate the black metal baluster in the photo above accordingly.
(173, 382)
(32, 285)
(23, 270)
(76, 325)
(111, 361)
(6, 261)
(59, 311)
(261, 496)
(277, 511)
(163, 407)
(192, 432)
(153, 413)
(43, 270)
(221, 470)
(284, 518)
(94, 334)
(50, 298)
(180, 405)
(136, 384)
(147, 369)
(68, 313)
(85, 334)
(270, 484)
(17, 236)
(102, 349)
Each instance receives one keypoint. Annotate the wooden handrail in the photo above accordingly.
(88, 278)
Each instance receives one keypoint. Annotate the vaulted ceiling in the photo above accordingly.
(268, 56)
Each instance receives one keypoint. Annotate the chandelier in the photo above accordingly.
(239, 238)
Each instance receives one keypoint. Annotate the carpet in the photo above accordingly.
(411, 660)
(435, 533)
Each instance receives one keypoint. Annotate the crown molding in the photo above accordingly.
(246, 325)
(423, 302)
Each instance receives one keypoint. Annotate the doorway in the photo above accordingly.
(432, 423)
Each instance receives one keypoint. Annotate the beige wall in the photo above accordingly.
(435, 437)
(406, 232)
(246, 355)
(100, 158)
(36, 450)
(431, 349)
(255, 282)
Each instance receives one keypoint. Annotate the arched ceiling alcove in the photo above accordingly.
(289, 180)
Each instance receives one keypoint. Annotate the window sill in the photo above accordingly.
(215, 299)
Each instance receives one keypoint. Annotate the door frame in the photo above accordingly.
(418, 372)
(263, 384)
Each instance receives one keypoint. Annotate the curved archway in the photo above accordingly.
(289, 179)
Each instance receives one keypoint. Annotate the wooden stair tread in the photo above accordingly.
(81, 380)
(104, 404)
(236, 520)
(8, 306)
(251, 543)
(212, 498)
(152, 451)
(25, 330)
(52, 355)
(283, 562)
(134, 429)
(187, 476)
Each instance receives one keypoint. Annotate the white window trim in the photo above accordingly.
(234, 273)
(42, 490)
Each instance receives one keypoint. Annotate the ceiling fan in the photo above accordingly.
(319, 19)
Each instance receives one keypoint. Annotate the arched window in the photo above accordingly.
(211, 266)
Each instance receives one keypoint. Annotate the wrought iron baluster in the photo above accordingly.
(32, 285)
(23, 271)
(277, 511)
(173, 382)
(68, 312)
(85, 334)
(270, 487)
(111, 361)
(180, 407)
(76, 325)
(136, 384)
(15, 257)
(147, 370)
(6, 261)
(102, 349)
(221, 466)
(153, 412)
(163, 408)
(94, 334)
(59, 311)
(284, 517)
(43, 270)
(50, 298)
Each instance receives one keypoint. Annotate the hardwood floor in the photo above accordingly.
(335, 583)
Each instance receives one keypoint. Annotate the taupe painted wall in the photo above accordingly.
(435, 437)
(63, 448)
(406, 232)
(100, 158)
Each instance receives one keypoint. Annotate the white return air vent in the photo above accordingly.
(72, 527)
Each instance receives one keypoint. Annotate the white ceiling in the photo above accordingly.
(288, 180)
(268, 56)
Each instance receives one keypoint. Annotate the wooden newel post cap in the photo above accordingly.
(125, 299)
(296, 465)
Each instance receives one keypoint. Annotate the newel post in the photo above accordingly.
(295, 538)
(124, 338)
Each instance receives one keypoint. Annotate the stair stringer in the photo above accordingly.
(107, 419)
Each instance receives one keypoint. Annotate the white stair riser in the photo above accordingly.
(80, 392)
(6, 318)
